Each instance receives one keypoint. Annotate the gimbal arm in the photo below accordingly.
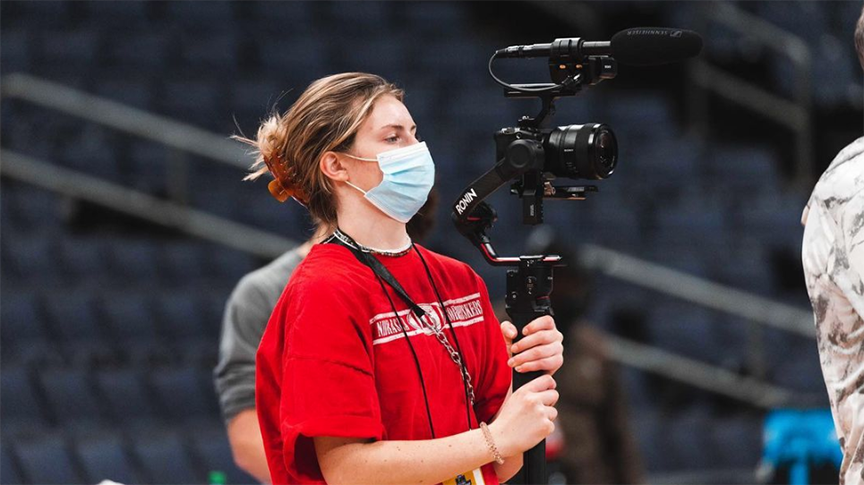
(473, 217)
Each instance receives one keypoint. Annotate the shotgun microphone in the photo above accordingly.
(640, 46)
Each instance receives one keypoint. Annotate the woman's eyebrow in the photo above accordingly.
(397, 126)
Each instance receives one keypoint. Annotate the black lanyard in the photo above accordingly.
(382, 274)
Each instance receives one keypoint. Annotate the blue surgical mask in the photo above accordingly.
(409, 174)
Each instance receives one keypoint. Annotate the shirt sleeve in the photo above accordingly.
(495, 376)
(328, 385)
(246, 314)
(243, 323)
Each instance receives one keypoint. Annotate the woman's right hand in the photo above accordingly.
(526, 418)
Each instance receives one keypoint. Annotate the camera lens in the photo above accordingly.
(588, 151)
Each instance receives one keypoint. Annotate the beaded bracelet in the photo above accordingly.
(494, 449)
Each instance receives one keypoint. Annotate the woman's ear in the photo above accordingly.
(332, 167)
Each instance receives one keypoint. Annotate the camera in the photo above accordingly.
(588, 151)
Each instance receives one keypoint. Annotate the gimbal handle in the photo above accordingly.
(528, 286)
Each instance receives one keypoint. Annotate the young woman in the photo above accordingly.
(383, 362)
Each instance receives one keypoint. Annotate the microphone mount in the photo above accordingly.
(569, 74)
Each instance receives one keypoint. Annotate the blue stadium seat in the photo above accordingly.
(16, 50)
(736, 441)
(839, 82)
(202, 16)
(22, 405)
(435, 15)
(681, 257)
(105, 457)
(70, 47)
(184, 261)
(804, 19)
(606, 222)
(22, 321)
(112, 13)
(129, 316)
(258, 97)
(73, 317)
(298, 18)
(165, 458)
(184, 393)
(198, 102)
(9, 473)
(688, 439)
(298, 59)
(230, 264)
(478, 112)
(684, 329)
(698, 223)
(638, 394)
(801, 373)
(423, 103)
(46, 458)
(71, 397)
(134, 259)
(180, 317)
(218, 50)
(774, 220)
(28, 257)
(746, 269)
(125, 395)
(135, 92)
(83, 258)
(667, 163)
(27, 136)
(143, 49)
(354, 17)
(149, 167)
(733, 335)
(211, 446)
(844, 12)
(6, 218)
(91, 151)
(640, 117)
(744, 167)
(289, 220)
(34, 208)
(90, 353)
(388, 57)
(51, 13)
(649, 431)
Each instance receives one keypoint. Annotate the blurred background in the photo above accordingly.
(125, 223)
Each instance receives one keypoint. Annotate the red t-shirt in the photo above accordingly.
(334, 361)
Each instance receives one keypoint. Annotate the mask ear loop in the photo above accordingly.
(358, 188)
(361, 159)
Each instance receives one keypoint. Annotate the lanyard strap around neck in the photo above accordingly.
(379, 269)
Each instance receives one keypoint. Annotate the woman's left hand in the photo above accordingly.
(541, 348)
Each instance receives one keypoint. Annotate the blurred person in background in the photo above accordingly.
(833, 260)
(344, 393)
(246, 314)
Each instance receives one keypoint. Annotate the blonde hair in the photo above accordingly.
(324, 118)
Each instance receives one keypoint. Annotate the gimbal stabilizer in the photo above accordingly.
(532, 155)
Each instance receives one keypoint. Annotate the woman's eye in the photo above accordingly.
(393, 138)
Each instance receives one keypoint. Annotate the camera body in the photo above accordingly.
(588, 151)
